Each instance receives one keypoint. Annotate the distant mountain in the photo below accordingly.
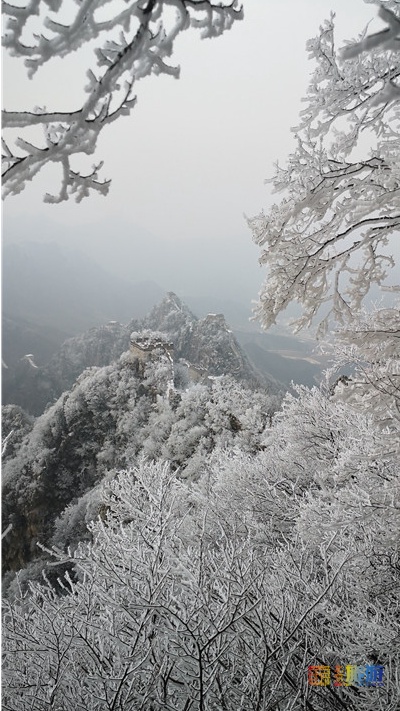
(59, 288)
(20, 337)
(34, 387)
(49, 294)
(97, 347)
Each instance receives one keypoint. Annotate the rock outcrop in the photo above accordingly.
(207, 344)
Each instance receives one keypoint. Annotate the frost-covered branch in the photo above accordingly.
(372, 348)
(388, 38)
(218, 594)
(141, 47)
(326, 242)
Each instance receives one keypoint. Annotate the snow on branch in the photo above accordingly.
(144, 44)
(326, 242)
(388, 38)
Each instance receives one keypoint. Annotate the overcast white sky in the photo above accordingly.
(193, 155)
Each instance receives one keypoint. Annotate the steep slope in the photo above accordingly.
(174, 318)
(110, 416)
(207, 343)
(49, 294)
(15, 425)
(96, 347)
(20, 336)
(34, 388)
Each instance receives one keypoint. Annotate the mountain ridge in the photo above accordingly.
(206, 343)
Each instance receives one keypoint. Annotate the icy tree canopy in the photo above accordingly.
(326, 242)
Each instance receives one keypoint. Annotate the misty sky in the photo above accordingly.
(192, 157)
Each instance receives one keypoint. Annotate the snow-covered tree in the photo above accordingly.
(326, 242)
(215, 594)
(131, 40)
(324, 474)
(15, 424)
(171, 606)
(162, 614)
(370, 345)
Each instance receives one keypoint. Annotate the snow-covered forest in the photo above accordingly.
(180, 533)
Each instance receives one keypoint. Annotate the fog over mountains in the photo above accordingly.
(60, 288)
(52, 293)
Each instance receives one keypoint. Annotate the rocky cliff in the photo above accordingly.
(207, 344)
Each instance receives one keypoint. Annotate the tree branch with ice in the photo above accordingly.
(131, 44)
(325, 243)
